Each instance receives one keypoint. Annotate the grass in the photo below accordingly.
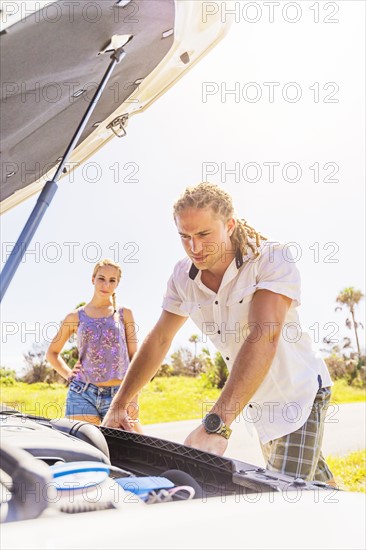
(163, 400)
(349, 471)
(343, 393)
(176, 398)
(39, 399)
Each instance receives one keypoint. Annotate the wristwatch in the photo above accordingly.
(213, 424)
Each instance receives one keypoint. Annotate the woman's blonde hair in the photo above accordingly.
(110, 263)
(208, 195)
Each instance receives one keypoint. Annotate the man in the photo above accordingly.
(242, 292)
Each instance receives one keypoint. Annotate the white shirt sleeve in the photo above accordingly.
(172, 301)
(278, 273)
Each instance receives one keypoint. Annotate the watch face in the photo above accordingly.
(212, 422)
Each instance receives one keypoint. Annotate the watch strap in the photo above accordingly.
(225, 431)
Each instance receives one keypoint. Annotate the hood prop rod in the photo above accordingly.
(50, 187)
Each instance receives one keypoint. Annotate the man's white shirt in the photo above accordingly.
(283, 401)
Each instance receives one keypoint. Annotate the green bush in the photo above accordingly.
(42, 373)
(38, 369)
(352, 369)
(7, 381)
(216, 372)
(8, 377)
(70, 356)
(184, 363)
(165, 371)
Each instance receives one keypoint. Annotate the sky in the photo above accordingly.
(275, 115)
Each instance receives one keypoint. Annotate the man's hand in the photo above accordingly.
(119, 419)
(211, 443)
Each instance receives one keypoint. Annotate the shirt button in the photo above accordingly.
(227, 358)
(216, 302)
(219, 332)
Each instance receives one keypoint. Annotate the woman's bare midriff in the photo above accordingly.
(113, 382)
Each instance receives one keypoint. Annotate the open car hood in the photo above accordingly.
(53, 56)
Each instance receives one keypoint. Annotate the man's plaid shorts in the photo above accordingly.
(299, 453)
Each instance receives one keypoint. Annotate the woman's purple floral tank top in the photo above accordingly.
(102, 347)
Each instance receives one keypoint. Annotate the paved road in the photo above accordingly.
(345, 431)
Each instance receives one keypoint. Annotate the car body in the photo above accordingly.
(240, 506)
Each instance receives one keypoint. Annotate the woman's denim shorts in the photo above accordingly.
(85, 399)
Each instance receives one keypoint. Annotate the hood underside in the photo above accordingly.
(51, 65)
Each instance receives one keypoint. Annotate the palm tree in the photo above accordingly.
(194, 339)
(350, 297)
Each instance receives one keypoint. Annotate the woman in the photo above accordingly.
(106, 340)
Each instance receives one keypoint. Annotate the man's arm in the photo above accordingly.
(143, 366)
(266, 317)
